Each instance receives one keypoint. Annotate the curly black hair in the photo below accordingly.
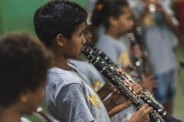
(24, 62)
(58, 17)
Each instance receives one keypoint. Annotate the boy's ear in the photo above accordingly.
(113, 21)
(59, 40)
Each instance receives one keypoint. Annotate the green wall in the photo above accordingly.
(1, 18)
(17, 15)
(83, 3)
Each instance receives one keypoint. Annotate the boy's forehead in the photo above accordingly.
(127, 11)
(81, 27)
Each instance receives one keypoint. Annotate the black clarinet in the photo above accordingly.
(146, 95)
(137, 62)
(116, 80)
(105, 57)
(111, 64)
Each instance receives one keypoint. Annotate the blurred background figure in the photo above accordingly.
(160, 27)
(112, 19)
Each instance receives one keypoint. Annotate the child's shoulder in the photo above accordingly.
(62, 77)
(59, 79)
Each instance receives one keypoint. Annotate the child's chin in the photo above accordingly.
(32, 111)
(29, 113)
(75, 57)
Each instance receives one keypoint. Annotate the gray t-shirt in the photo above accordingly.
(70, 97)
(90, 72)
(114, 49)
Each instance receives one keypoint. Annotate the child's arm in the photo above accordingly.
(116, 102)
(115, 99)
(119, 108)
(105, 91)
(169, 21)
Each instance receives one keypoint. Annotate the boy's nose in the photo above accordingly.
(83, 41)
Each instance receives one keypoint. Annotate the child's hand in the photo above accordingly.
(118, 98)
(159, 6)
(126, 69)
(148, 83)
(137, 89)
(115, 99)
(142, 115)
(119, 108)
(147, 4)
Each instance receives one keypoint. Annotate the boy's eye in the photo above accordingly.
(80, 34)
(130, 17)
